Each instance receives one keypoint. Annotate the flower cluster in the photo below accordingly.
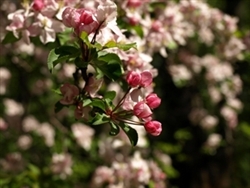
(40, 18)
(136, 172)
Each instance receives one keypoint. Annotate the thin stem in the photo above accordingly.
(96, 32)
(122, 99)
(130, 121)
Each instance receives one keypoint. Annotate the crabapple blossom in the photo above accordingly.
(142, 79)
(38, 5)
(134, 3)
(153, 127)
(83, 135)
(153, 101)
(133, 78)
(69, 92)
(46, 28)
(47, 132)
(18, 22)
(146, 78)
(24, 142)
(71, 17)
(142, 110)
(80, 19)
(61, 164)
(106, 12)
(3, 124)
(93, 85)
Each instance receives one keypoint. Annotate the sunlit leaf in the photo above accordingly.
(130, 132)
(114, 129)
(110, 95)
(100, 119)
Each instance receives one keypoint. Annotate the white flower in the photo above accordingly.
(61, 165)
(30, 124)
(83, 135)
(13, 108)
(45, 130)
(24, 142)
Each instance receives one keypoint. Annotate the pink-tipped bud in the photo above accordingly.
(71, 17)
(134, 3)
(142, 110)
(133, 78)
(153, 127)
(86, 16)
(153, 101)
(146, 78)
(80, 19)
(38, 5)
(69, 93)
(157, 26)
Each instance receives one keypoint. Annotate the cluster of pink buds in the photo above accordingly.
(143, 108)
(142, 79)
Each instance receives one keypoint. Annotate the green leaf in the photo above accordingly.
(130, 132)
(182, 134)
(61, 54)
(122, 46)
(85, 38)
(114, 129)
(57, 91)
(86, 102)
(99, 104)
(110, 95)
(100, 119)
(110, 44)
(245, 128)
(51, 58)
(58, 106)
(67, 50)
(9, 38)
(79, 63)
(109, 65)
(126, 47)
(61, 59)
(139, 31)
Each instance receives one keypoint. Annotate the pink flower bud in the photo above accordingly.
(153, 101)
(71, 17)
(146, 78)
(142, 110)
(87, 22)
(134, 3)
(69, 93)
(133, 78)
(80, 19)
(157, 26)
(153, 127)
(38, 5)
(86, 16)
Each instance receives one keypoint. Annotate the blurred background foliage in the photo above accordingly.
(229, 165)
(192, 166)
